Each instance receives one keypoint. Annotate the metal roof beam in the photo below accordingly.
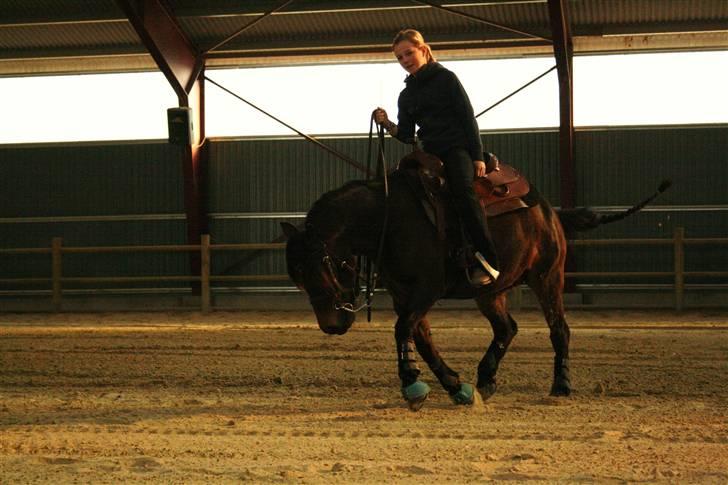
(30, 16)
(654, 28)
(366, 43)
(75, 51)
(166, 42)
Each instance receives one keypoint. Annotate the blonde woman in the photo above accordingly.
(435, 101)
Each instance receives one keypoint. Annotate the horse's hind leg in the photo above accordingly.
(461, 393)
(504, 329)
(549, 291)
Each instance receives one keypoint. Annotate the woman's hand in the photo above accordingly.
(479, 166)
(381, 118)
(481, 169)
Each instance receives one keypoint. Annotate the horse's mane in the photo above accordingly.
(327, 212)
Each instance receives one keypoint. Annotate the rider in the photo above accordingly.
(436, 102)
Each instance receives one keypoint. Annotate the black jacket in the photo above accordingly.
(435, 101)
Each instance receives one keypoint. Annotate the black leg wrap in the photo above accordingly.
(408, 369)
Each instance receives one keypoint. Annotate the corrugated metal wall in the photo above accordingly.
(92, 195)
(618, 167)
(256, 184)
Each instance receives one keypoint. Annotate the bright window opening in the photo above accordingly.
(634, 89)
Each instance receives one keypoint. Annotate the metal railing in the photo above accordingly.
(205, 249)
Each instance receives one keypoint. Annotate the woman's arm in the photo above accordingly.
(465, 113)
(405, 123)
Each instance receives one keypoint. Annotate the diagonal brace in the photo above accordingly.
(481, 20)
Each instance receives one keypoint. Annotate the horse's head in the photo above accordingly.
(328, 278)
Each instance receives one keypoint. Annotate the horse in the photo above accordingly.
(384, 221)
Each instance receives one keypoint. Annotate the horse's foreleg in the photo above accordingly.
(407, 366)
(414, 391)
(504, 329)
(449, 379)
(459, 392)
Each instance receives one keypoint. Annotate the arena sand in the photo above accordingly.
(267, 398)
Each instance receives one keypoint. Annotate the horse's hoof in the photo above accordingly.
(487, 390)
(465, 396)
(562, 388)
(415, 395)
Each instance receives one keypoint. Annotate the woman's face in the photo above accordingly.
(410, 57)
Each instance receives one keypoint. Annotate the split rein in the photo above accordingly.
(331, 262)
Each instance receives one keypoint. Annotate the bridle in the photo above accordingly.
(332, 266)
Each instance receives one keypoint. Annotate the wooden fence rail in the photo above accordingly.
(57, 250)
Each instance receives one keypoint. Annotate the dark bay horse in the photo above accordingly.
(418, 269)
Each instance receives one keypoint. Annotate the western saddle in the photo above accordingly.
(500, 191)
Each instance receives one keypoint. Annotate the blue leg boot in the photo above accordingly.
(415, 395)
(465, 396)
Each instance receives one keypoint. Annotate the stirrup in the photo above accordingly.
(488, 269)
(478, 278)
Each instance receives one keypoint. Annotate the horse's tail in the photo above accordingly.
(583, 218)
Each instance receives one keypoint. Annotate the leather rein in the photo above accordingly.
(332, 263)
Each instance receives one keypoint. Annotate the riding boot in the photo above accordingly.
(460, 173)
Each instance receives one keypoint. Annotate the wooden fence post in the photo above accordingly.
(679, 262)
(205, 272)
(56, 271)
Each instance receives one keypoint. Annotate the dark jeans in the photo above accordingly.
(460, 175)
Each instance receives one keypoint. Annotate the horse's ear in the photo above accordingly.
(289, 229)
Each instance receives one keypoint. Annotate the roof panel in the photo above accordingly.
(34, 11)
(41, 39)
(56, 29)
(626, 12)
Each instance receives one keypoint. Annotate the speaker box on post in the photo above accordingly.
(179, 123)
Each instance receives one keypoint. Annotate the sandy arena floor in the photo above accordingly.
(266, 397)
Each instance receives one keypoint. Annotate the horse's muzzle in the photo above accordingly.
(335, 322)
(334, 330)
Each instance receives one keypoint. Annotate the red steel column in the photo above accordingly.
(183, 66)
(564, 54)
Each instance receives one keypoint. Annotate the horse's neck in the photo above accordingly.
(351, 217)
